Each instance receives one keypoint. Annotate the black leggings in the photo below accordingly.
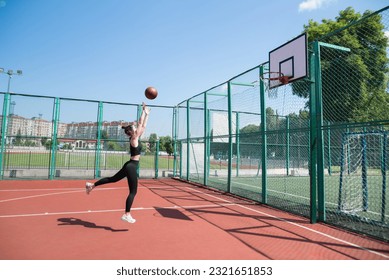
(128, 170)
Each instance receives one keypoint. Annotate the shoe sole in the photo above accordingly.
(131, 222)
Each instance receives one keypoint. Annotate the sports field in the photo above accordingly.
(56, 220)
(79, 160)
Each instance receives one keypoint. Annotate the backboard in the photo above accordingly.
(289, 59)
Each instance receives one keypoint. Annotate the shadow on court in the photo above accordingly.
(79, 222)
(172, 213)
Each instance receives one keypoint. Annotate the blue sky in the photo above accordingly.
(111, 50)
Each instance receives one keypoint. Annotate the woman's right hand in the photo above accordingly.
(146, 109)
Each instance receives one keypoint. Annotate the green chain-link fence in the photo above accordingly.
(316, 147)
(50, 137)
(355, 102)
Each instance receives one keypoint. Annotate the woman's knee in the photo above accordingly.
(132, 195)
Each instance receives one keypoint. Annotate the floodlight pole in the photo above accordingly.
(6, 103)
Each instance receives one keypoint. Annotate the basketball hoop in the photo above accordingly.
(272, 80)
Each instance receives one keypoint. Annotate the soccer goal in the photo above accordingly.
(193, 160)
(363, 156)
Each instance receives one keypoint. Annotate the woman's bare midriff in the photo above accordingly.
(137, 157)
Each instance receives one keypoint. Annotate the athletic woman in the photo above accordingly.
(129, 169)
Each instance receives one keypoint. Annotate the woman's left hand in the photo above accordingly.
(145, 108)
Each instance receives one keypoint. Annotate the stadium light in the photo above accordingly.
(10, 73)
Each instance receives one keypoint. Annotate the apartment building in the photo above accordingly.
(37, 128)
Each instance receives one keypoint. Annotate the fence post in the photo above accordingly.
(98, 140)
(237, 145)
(156, 158)
(263, 136)
(287, 145)
(314, 59)
(4, 126)
(54, 134)
(138, 114)
(181, 159)
(174, 133)
(206, 139)
(187, 138)
(329, 148)
(230, 144)
(384, 167)
(319, 135)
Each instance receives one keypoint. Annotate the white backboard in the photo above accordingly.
(290, 59)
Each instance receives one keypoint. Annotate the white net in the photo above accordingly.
(351, 188)
(196, 159)
(362, 170)
(272, 82)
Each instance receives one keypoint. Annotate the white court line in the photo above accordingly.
(117, 210)
(296, 196)
(297, 225)
(38, 195)
(59, 189)
(56, 193)
(33, 190)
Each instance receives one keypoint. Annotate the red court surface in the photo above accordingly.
(56, 220)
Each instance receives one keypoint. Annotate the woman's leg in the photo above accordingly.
(117, 177)
(132, 179)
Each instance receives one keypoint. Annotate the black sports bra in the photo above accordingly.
(134, 151)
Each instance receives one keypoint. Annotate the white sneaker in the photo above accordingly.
(128, 218)
(88, 187)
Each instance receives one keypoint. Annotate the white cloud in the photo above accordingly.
(309, 5)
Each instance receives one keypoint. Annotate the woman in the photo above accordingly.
(129, 169)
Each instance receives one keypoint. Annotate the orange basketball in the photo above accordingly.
(151, 92)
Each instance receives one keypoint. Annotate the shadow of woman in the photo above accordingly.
(79, 222)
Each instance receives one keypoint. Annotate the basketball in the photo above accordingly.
(151, 92)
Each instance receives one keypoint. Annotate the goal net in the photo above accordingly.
(361, 153)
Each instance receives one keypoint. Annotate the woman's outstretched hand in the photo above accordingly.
(146, 109)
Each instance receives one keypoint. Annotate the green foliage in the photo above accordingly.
(113, 146)
(103, 134)
(355, 82)
(251, 128)
(153, 139)
(166, 144)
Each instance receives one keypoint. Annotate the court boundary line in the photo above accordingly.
(71, 190)
(292, 195)
(297, 225)
(118, 210)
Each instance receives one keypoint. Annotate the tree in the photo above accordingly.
(152, 140)
(166, 144)
(354, 83)
(18, 139)
(251, 128)
(272, 119)
(44, 141)
(113, 146)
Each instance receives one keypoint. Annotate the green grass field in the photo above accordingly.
(80, 160)
(294, 191)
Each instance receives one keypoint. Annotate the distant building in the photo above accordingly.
(81, 134)
(88, 130)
